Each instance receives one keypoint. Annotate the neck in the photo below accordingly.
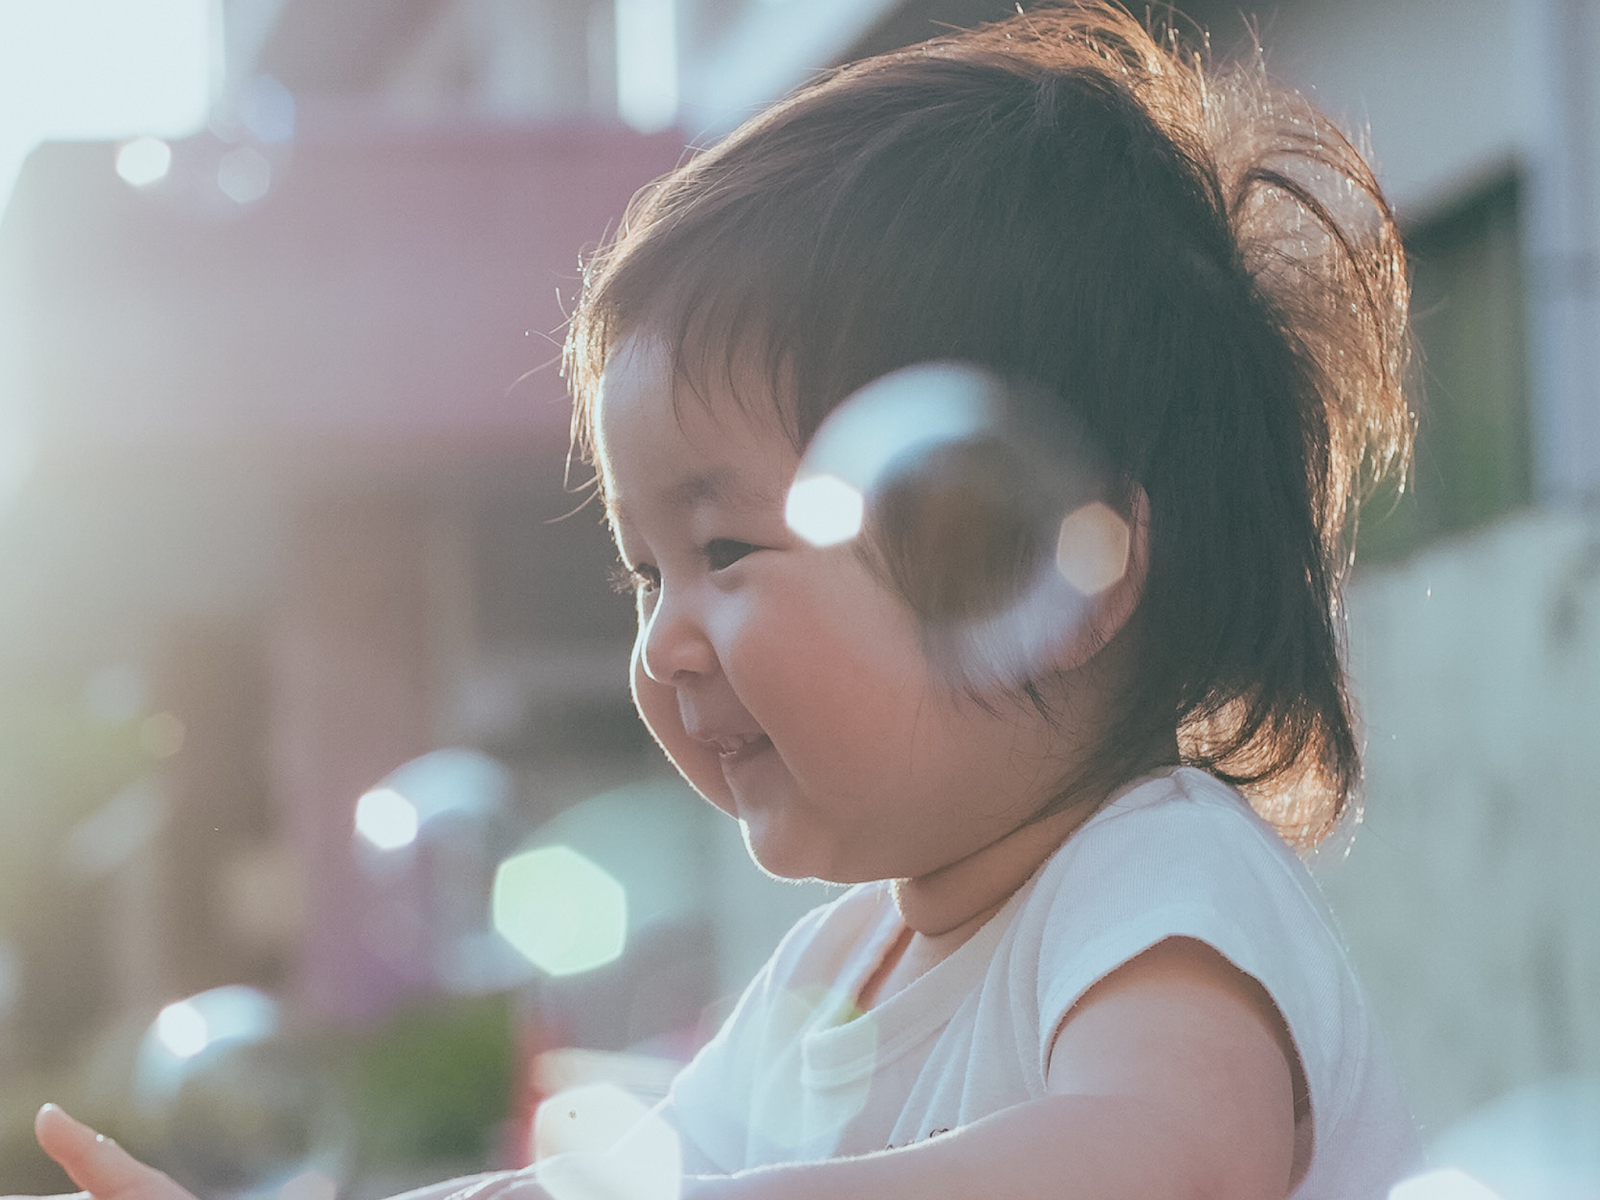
(957, 899)
(954, 901)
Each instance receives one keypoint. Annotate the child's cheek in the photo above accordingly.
(657, 705)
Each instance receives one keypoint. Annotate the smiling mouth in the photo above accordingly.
(737, 748)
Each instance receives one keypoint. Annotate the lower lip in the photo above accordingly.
(745, 753)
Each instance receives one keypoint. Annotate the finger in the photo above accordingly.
(93, 1161)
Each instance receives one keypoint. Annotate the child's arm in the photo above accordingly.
(105, 1171)
(1170, 1078)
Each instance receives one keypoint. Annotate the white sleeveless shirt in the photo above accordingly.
(798, 1073)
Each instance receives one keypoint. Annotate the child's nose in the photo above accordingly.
(673, 645)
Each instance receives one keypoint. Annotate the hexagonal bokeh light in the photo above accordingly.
(562, 912)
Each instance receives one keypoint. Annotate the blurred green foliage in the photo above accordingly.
(434, 1084)
(58, 763)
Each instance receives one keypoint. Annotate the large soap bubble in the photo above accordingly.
(981, 502)
(232, 1106)
(427, 839)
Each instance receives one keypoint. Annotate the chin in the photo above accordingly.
(781, 861)
(794, 864)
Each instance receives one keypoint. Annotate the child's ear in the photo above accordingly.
(1091, 539)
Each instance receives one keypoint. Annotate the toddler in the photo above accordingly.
(1082, 957)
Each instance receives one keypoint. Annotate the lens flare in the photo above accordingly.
(144, 161)
(562, 912)
(386, 819)
(1092, 548)
(825, 510)
(244, 175)
(182, 1029)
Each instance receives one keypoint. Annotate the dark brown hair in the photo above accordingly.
(1200, 266)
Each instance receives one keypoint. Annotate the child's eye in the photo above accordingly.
(630, 581)
(724, 552)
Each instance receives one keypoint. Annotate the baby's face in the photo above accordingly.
(783, 681)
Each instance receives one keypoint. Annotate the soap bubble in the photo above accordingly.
(982, 503)
(427, 839)
(231, 1105)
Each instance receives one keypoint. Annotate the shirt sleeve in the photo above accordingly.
(1201, 865)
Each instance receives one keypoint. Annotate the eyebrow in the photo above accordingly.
(720, 485)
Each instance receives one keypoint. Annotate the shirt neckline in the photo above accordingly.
(847, 1044)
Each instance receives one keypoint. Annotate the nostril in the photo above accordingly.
(671, 648)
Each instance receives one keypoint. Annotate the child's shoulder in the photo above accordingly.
(1182, 854)
(1188, 813)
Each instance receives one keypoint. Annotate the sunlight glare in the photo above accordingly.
(93, 69)
(386, 819)
(824, 509)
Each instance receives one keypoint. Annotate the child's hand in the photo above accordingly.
(103, 1169)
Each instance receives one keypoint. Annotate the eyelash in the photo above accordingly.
(720, 554)
(630, 581)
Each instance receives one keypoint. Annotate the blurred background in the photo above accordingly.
(313, 707)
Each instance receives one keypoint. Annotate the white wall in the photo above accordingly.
(1437, 83)
(1471, 897)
